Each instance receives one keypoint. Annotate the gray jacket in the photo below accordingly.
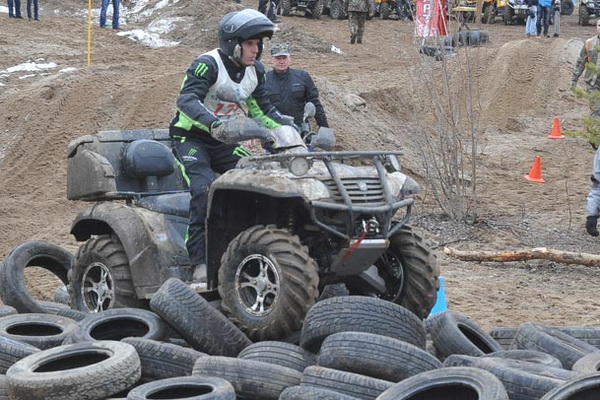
(589, 53)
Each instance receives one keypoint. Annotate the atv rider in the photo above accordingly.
(205, 128)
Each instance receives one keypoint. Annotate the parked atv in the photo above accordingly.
(280, 228)
(588, 9)
(311, 8)
(515, 11)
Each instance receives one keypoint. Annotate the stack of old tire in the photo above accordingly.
(350, 347)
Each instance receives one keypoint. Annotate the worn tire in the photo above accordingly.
(163, 360)
(91, 370)
(589, 364)
(454, 333)
(100, 278)
(460, 382)
(33, 253)
(348, 383)
(360, 314)
(251, 379)
(584, 15)
(309, 393)
(198, 323)
(524, 366)
(267, 282)
(521, 383)
(552, 341)
(43, 331)
(119, 323)
(376, 356)
(279, 353)
(12, 351)
(534, 356)
(584, 387)
(410, 258)
(384, 10)
(188, 388)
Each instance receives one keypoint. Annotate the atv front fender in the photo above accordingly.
(143, 236)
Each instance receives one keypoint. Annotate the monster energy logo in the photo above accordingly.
(241, 152)
(192, 152)
(201, 69)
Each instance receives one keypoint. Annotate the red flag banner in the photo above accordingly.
(430, 18)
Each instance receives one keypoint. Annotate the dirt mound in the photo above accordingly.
(521, 85)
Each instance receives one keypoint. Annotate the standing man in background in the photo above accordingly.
(35, 10)
(357, 11)
(290, 89)
(272, 13)
(115, 18)
(14, 9)
(543, 17)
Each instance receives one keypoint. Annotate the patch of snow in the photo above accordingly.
(68, 69)
(29, 66)
(147, 38)
(336, 49)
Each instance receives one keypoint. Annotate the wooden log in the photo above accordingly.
(540, 253)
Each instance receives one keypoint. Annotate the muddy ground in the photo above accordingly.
(519, 85)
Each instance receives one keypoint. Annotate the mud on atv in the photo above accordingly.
(280, 228)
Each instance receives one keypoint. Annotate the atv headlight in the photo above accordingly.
(299, 166)
(402, 185)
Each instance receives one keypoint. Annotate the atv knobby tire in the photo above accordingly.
(384, 10)
(410, 271)
(584, 15)
(100, 278)
(267, 282)
(286, 7)
(316, 9)
(336, 10)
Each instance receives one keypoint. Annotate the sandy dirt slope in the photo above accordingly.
(521, 85)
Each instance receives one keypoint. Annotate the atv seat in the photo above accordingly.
(147, 160)
(172, 204)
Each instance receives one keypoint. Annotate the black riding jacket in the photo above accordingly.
(290, 91)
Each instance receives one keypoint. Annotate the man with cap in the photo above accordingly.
(217, 87)
(289, 89)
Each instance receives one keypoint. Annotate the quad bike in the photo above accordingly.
(515, 11)
(280, 227)
(311, 8)
(588, 9)
(465, 10)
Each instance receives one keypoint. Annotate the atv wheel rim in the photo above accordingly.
(97, 288)
(257, 283)
(392, 271)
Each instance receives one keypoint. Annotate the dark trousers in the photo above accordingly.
(272, 13)
(35, 9)
(202, 157)
(543, 20)
(14, 8)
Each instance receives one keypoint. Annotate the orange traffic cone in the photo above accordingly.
(535, 173)
(556, 133)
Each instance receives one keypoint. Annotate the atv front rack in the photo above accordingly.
(386, 207)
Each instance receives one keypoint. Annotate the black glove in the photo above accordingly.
(591, 225)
